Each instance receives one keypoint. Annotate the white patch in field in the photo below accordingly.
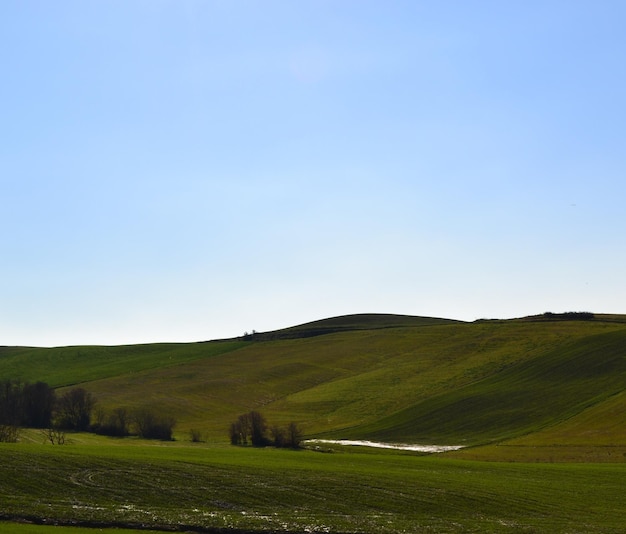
(380, 445)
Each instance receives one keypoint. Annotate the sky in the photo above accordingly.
(185, 170)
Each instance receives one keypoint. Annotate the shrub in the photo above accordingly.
(252, 427)
(9, 433)
(55, 436)
(196, 435)
(249, 427)
(115, 424)
(151, 426)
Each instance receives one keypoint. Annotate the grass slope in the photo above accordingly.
(523, 398)
(65, 366)
(394, 378)
(346, 323)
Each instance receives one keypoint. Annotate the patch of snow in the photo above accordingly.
(380, 445)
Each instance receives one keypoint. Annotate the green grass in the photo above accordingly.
(10, 527)
(522, 398)
(297, 491)
(545, 400)
(66, 366)
(388, 377)
(347, 323)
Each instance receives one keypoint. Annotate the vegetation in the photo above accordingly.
(151, 426)
(277, 490)
(539, 402)
(26, 404)
(73, 409)
(252, 428)
(394, 380)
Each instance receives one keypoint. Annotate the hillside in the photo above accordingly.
(388, 377)
(347, 323)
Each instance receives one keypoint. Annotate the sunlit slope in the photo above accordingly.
(394, 378)
(64, 366)
(583, 374)
(451, 382)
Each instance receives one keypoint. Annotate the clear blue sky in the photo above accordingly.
(181, 170)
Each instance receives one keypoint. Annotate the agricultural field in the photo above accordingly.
(537, 405)
(274, 490)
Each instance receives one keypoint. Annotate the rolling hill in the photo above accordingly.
(538, 380)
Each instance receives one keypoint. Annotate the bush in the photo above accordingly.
(55, 436)
(114, 424)
(252, 427)
(9, 433)
(196, 435)
(151, 426)
(249, 427)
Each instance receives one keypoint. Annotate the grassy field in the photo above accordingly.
(387, 377)
(539, 403)
(128, 485)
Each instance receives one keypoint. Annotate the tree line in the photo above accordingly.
(25, 405)
(252, 428)
(38, 406)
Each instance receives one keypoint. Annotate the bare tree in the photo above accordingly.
(55, 436)
(294, 435)
(279, 436)
(73, 411)
(249, 427)
(151, 426)
(258, 429)
(9, 433)
(38, 404)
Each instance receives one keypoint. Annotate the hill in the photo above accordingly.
(347, 323)
(387, 377)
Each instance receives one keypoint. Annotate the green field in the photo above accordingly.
(538, 403)
(303, 491)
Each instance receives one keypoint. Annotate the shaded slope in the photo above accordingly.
(347, 323)
(521, 399)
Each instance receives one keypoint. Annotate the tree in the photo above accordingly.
(151, 426)
(10, 403)
(113, 424)
(9, 433)
(55, 436)
(240, 430)
(37, 405)
(278, 435)
(258, 429)
(196, 435)
(294, 435)
(252, 427)
(73, 409)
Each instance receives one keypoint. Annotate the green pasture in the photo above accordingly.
(386, 377)
(539, 403)
(67, 366)
(522, 398)
(10, 527)
(131, 484)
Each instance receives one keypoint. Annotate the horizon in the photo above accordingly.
(254, 331)
(182, 171)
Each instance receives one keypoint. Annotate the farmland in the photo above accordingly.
(275, 490)
(537, 403)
